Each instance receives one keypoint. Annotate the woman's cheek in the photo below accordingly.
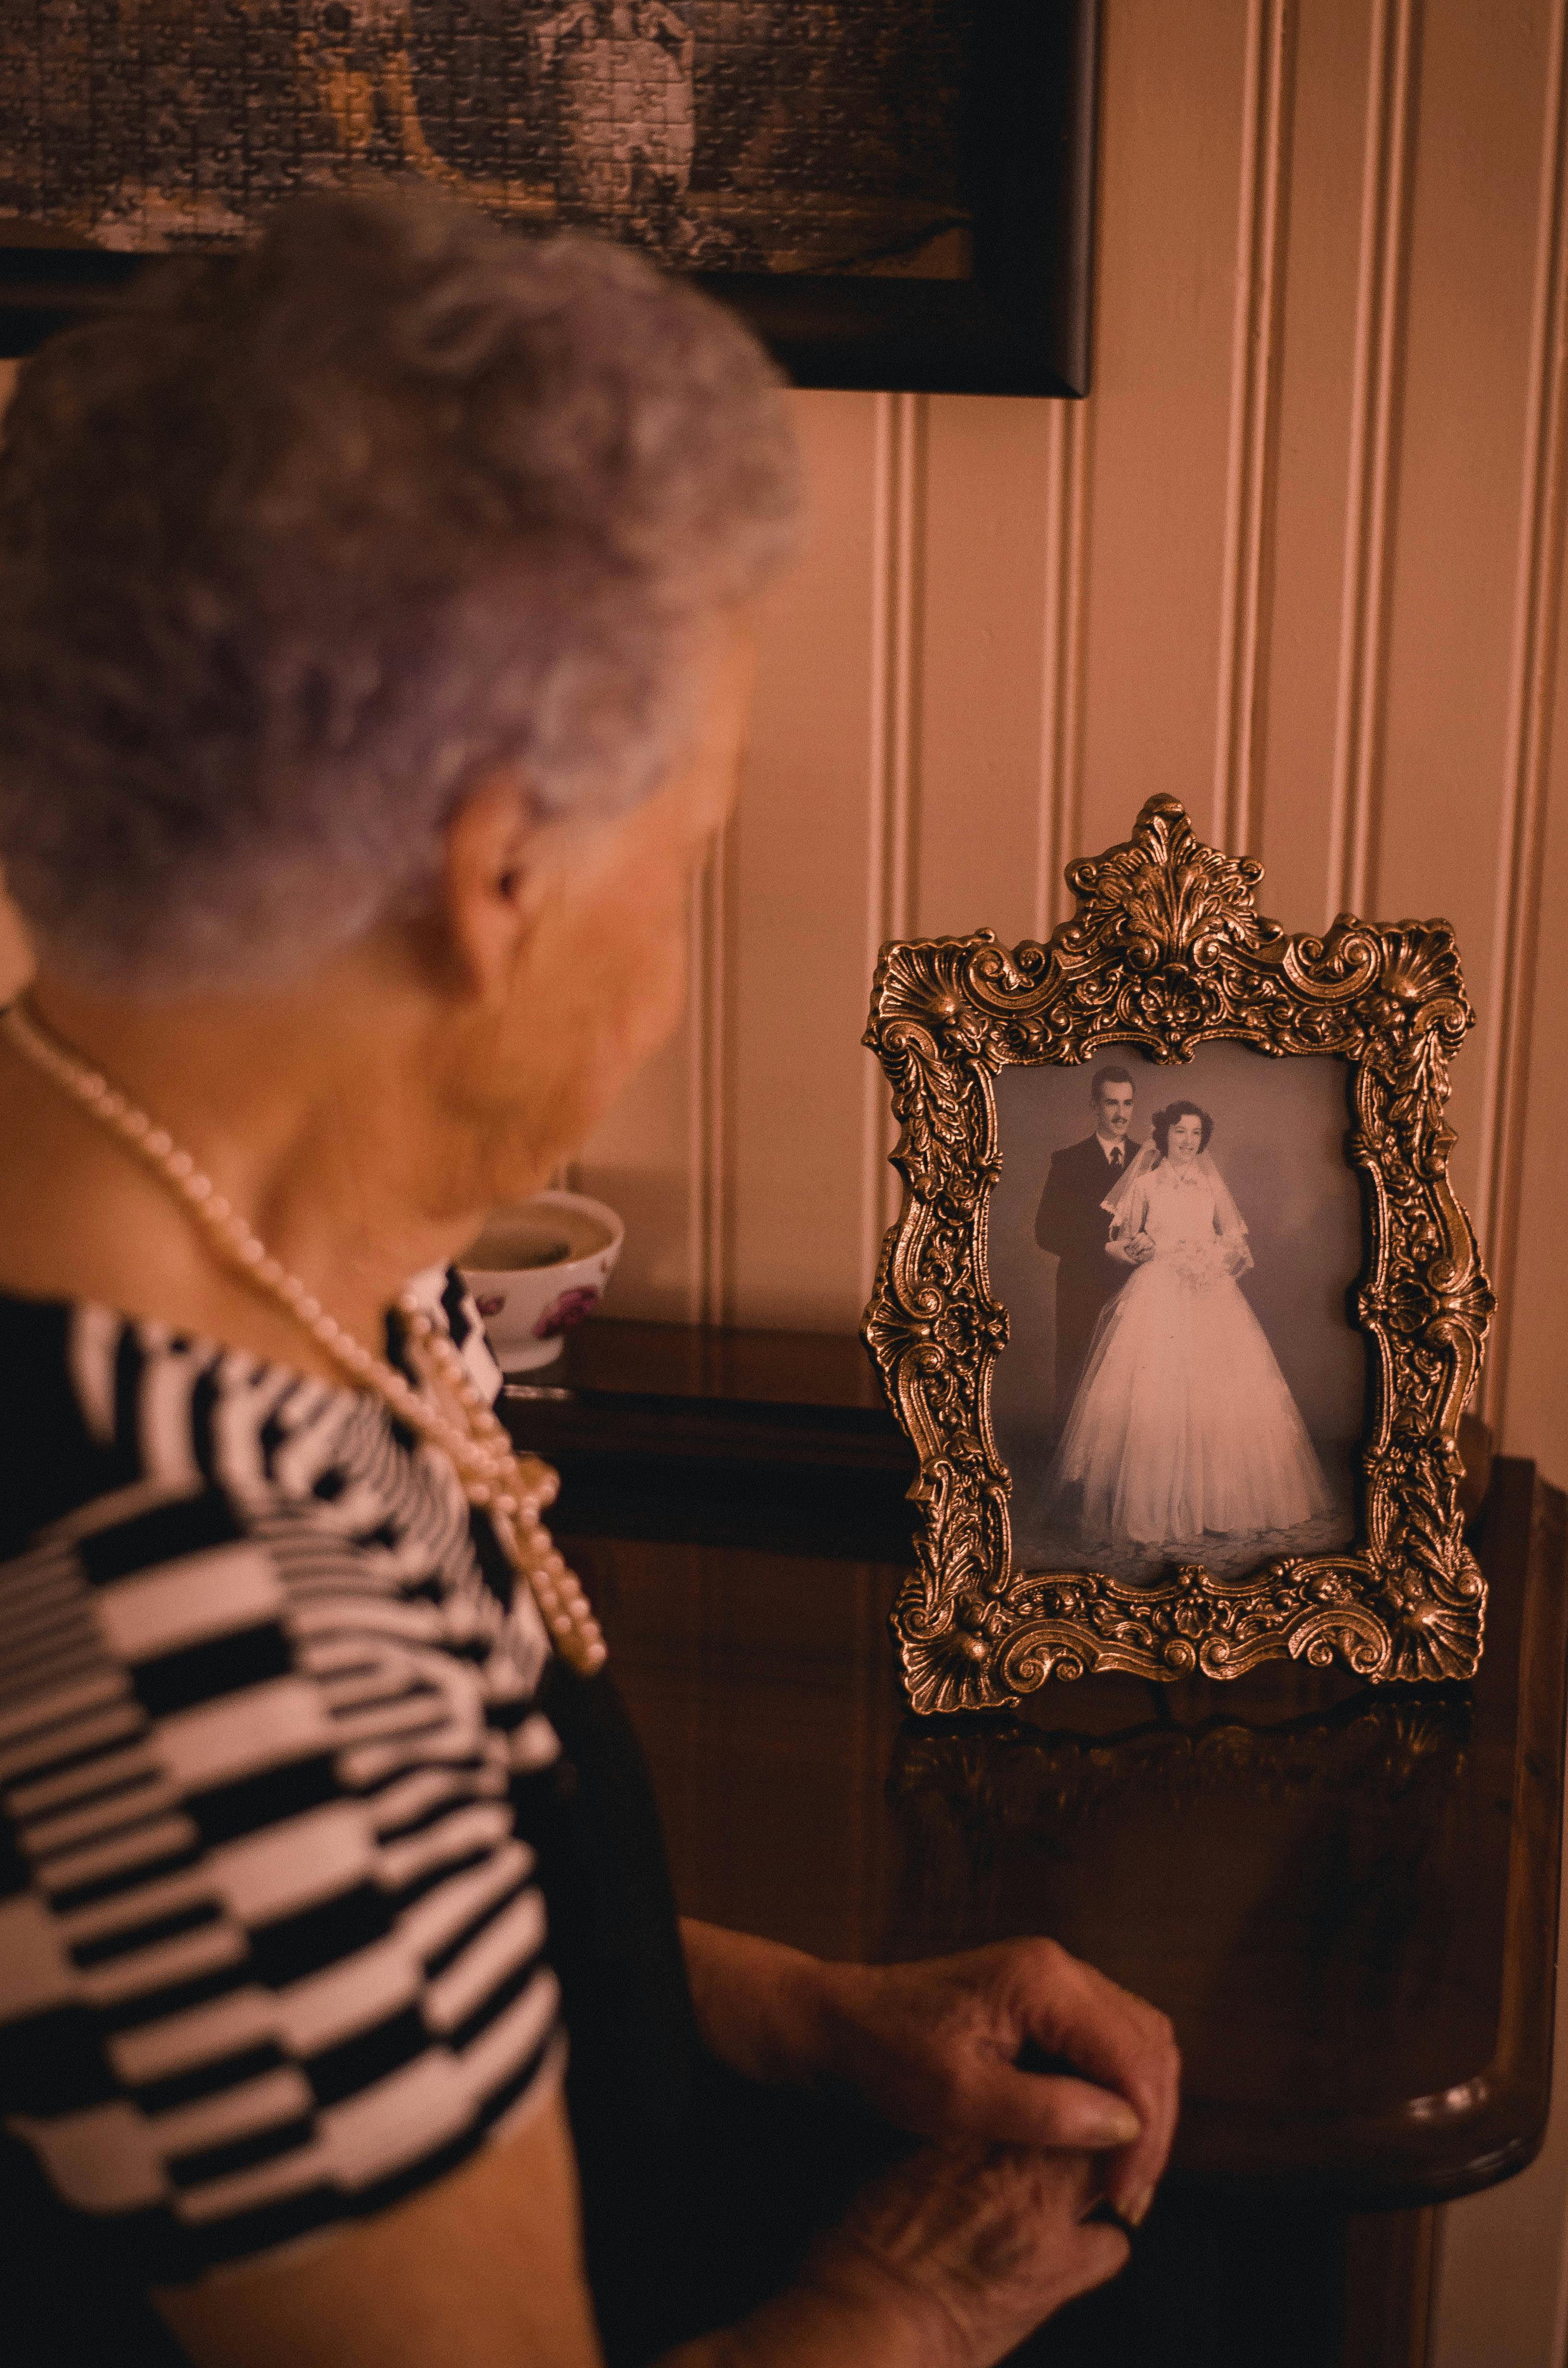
(639, 1016)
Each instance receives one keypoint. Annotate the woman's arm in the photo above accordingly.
(949, 2262)
(485, 2268)
(1130, 1249)
(946, 2262)
(1130, 1244)
(1235, 1256)
(934, 2047)
(768, 2011)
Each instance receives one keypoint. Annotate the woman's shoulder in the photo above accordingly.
(62, 1436)
(93, 1400)
(270, 1623)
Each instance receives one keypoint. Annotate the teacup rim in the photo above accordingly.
(582, 1203)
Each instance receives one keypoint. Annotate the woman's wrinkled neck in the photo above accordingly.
(314, 1110)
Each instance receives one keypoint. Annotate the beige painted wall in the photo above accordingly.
(1297, 561)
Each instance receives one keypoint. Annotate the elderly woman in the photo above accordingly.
(374, 659)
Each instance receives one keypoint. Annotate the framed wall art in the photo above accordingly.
(897, 197)
(1181, 1312)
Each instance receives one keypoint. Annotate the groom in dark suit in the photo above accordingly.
(1072, 1224)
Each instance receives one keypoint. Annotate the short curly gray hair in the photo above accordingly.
(293, 551)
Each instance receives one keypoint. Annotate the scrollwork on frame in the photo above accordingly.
(1165, 952)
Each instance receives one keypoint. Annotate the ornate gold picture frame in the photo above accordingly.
(1169, 954)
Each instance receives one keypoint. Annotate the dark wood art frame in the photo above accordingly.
(1020, 326)
(1169, 951)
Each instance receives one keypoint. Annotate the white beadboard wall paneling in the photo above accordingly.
(801, 850)
(708, 1101)
(1250, 466)
(987, 562)
(1058, 826)
(1315, 363)
(1386, 180)
(1511, 987)
(1533, 1411)
(1171, 114)
(1452, 661)
(895, 760)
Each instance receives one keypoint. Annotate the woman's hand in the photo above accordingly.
(1134, 1249)
(950, 2261)
(942, 2049)
(936, 2047)
(974, 2245)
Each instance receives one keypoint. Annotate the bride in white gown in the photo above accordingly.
(1183, 1425)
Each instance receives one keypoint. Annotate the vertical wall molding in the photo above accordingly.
(1509, 1000)
(1381, 280)
(898, 606)
(710, 1197)
(1262, 236)
(1061, 700)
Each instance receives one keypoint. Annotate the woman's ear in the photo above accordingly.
(484, 884)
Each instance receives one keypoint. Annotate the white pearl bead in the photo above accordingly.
(482, 1456)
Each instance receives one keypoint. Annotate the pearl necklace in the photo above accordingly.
(512, 1489)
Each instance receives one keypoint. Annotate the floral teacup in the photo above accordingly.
(538, 1271)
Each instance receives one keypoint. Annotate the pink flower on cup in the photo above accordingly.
(565, 1315)
(492, 1303)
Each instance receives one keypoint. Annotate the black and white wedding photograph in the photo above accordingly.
(1175, 1248)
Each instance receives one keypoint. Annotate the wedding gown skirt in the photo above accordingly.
(1183, 1424)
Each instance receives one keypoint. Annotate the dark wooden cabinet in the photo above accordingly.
(1346, 1897)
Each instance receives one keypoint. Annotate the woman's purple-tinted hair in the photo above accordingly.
(294, 549)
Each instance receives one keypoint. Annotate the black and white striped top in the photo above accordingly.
(272, 1955)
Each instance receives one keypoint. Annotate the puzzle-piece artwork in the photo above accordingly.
(740, 135)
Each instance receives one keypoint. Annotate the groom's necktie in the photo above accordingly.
(1115, 1158)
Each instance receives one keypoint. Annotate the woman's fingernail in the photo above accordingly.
(1137, 2211)
(1113, 2126)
